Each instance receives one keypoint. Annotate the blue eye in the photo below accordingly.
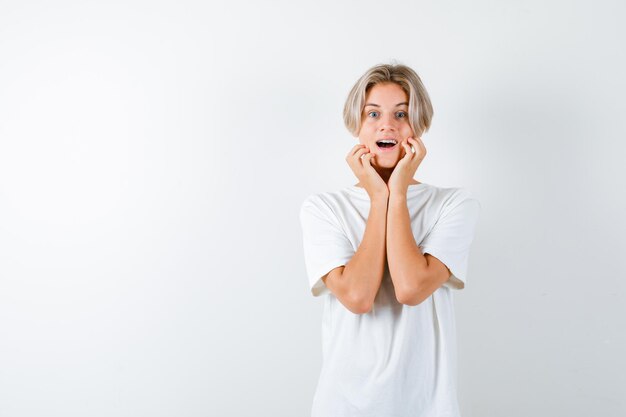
(400, 114)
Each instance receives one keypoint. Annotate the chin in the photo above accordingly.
(386, 165)
(389, 158)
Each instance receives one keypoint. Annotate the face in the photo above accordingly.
(385, 116)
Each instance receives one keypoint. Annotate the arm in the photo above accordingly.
(415, 276)
(356, 284)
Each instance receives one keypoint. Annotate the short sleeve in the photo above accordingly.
(325, 244)
(451, 237)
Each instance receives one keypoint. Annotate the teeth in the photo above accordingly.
(388, 141)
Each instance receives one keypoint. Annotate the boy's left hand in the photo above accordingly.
(404, 171)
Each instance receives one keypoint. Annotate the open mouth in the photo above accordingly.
(386, 144)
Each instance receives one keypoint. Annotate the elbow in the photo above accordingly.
(411, 297)
(360, 305)
(416, 289)
(358, 310)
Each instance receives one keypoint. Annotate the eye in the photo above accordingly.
(401, 114)
(370, 113)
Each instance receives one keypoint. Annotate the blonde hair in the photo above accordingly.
(420, 107)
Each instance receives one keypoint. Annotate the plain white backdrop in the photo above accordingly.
(154, 156)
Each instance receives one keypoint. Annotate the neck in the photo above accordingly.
(385, 173)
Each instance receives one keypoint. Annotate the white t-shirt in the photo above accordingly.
(397, 360)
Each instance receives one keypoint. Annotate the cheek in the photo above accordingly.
(366, 134)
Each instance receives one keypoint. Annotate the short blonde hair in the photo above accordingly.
(420, 107)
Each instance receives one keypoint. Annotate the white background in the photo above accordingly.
(154, 156)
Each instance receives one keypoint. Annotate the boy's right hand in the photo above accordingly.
(365, 172)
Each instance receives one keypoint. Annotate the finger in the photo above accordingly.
(420, 152)
(356, 152)
(361, 150)
(407, 148)
(361, 153)
(354, 149)
(367, 159)
(418, 145)
(354, 159)
(410, 142)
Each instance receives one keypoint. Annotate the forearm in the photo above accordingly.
(407, 264)
(363, 274)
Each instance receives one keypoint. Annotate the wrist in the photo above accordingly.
(379, 195)
(397, 200)
(379, 199)
(397, 195)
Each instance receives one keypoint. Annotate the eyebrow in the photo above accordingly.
(376, 105)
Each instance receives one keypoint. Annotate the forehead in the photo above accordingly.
(386, 93)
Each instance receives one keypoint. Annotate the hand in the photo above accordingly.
(405, 169)
(365, 172)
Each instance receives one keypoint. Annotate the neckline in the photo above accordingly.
(362, 190)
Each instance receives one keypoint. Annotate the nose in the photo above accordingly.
(388, 122)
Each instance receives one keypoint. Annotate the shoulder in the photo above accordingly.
(330, 200)
(457, 195)
(316, 200)
(462, 203)
(455, 199)
(322, 204)
(464, 195)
